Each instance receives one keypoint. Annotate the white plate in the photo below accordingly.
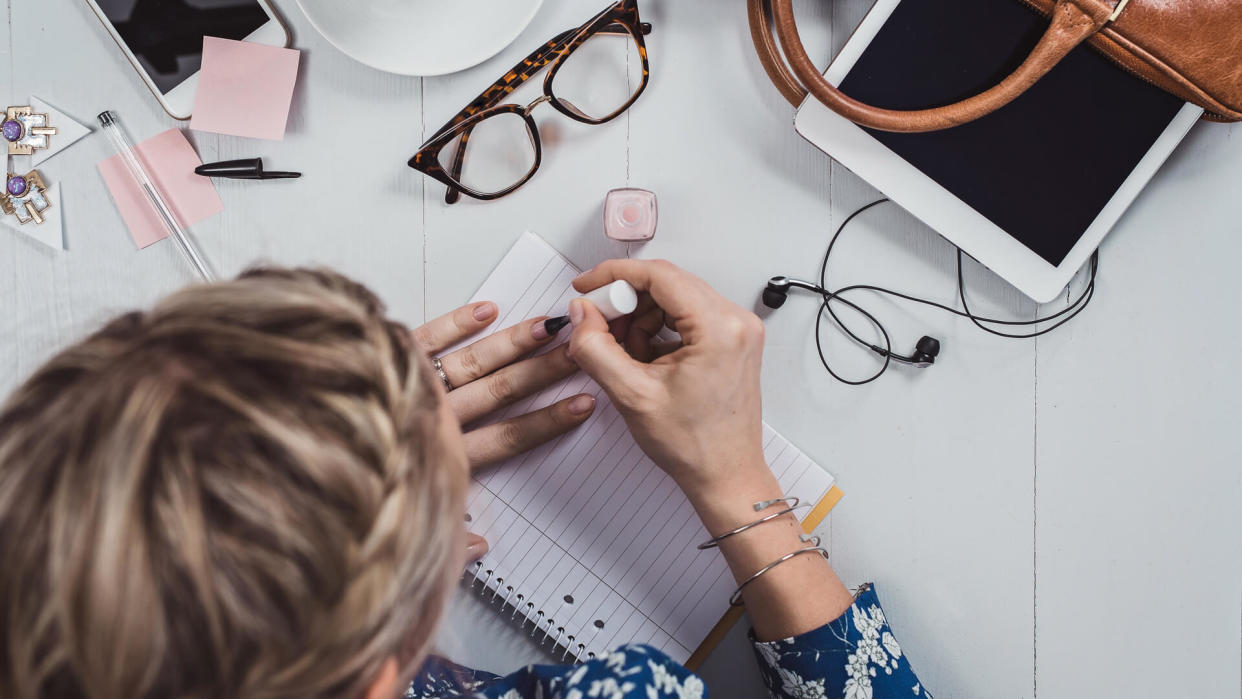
(420, 37)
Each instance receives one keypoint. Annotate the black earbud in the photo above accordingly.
(774, 297)
(924, 355)
(776, 292)
(925, 350)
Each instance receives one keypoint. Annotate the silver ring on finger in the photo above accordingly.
(444, 379)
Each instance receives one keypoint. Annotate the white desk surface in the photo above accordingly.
(1050, 518)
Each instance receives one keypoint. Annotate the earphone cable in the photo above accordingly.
(1073, 309)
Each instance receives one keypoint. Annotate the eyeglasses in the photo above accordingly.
(595, 72)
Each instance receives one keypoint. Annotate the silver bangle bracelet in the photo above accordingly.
(759, 506)
(735, 599)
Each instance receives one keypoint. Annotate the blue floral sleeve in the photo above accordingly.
(629, 672)
(854, 656)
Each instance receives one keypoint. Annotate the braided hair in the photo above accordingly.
(246, 491)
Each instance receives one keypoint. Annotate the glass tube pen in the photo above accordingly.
(125, 148)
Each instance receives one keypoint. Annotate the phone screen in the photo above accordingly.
(166, 36)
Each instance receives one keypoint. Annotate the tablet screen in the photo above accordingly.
(1040, 168)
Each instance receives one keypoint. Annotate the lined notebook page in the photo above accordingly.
(597, 541)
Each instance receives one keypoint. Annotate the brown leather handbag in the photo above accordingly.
(1191, 48)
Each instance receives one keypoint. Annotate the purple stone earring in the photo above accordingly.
(25, 196)
(25, 131)
(17, 185)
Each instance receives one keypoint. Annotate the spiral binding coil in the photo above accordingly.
(542, 627)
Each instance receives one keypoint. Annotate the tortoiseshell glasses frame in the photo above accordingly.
(619, 18)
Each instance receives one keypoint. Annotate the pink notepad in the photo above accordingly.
(170, 161)
(244, 89)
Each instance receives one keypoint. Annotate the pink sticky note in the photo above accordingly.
(244, 89)
(170, 161)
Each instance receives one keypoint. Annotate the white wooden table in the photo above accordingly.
(1055, 517)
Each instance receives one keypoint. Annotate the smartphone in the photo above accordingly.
(163, 39)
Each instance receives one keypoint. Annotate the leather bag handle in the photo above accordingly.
(1073, 21)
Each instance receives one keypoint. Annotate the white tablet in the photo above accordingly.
(1029, 191)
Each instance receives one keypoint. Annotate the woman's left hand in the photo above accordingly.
(493, 373)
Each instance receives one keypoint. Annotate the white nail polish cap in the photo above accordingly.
(615, 300)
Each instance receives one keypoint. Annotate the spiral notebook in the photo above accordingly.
(592, 545)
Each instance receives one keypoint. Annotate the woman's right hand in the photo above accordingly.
(696, 411)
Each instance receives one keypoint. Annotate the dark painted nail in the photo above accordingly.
(554, 325)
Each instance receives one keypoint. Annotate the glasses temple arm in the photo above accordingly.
(451, 195)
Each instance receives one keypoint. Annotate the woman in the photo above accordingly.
(257, 489)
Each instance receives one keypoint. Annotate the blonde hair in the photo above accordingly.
(239, 493)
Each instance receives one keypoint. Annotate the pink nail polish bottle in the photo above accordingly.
(630, 214)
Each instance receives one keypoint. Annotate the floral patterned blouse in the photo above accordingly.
(854, 656)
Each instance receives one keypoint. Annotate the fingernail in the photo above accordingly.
(575, 311)
(579, 405)
(539, 331)
(476, 550)
(551, 326)
(484, 310)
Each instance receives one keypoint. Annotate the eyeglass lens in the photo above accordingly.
(595, 81)
(601, 75)
(500, 151)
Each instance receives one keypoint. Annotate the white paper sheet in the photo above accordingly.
(589, 518)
